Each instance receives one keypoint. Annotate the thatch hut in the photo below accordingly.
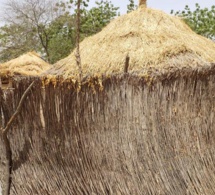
(142, 121)
(29, 64)
(155, 42)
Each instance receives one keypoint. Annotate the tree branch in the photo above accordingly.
(7, 145)
(5, 130)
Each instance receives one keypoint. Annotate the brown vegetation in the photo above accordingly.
(154, 41)
(142, 123)
(29, 64)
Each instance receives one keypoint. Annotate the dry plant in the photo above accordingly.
(27, 64)
(153, 39)
(4, 135)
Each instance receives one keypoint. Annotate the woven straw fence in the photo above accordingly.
(131, 138)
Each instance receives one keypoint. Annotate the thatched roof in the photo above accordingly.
(27, 64)
(152, 39)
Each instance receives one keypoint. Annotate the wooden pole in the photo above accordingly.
(142, 3)
(78, 57)
(126, 64)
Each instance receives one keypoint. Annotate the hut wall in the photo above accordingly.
(6, 110)
(130, 138)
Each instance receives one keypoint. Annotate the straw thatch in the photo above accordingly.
(29, 64)
(154, 41)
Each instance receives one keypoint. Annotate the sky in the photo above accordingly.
(165, 5)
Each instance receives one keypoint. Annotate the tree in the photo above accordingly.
(32, 19)
(62, 37)
(131, 6)
(98, 17)
(91, 21)
(15, 40)
(202, 21)
(48, 26)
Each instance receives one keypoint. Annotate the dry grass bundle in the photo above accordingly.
(152, 40)
(27, 64)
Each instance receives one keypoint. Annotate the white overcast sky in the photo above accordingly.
(165, 5)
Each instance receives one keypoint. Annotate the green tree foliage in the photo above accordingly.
(98, 17)
(15, 41)
(27, 27)
(131, 6)
(62, 33)
(202, 21)
(92, 21)
(48, 26)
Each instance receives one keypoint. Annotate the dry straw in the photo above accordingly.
(29, 64)
(151, 38)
